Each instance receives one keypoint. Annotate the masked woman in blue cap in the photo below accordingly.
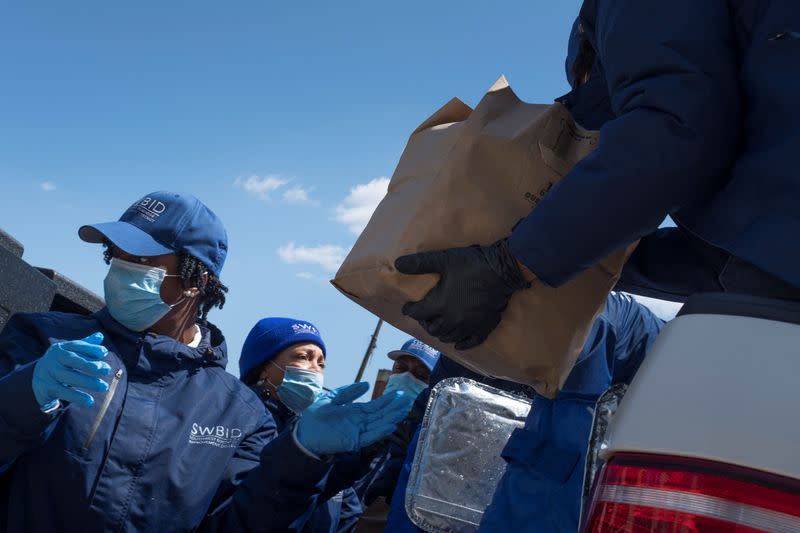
(411, 372)
(126, 420)
(283, 361)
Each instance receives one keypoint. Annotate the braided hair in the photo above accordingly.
(191, 271)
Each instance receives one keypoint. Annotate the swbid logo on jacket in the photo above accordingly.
(219, 436)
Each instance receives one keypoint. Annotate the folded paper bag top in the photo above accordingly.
(467, 177)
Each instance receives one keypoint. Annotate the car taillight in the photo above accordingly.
(650, 493)
(604, 410)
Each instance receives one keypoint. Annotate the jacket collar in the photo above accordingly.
(282, 414)
(212, 350)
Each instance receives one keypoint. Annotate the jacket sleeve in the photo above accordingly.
(671, 73)
(270, 485)
(350, 512)
(672, 264)
(380, 476)
(23, 422)
(398, 520)
(635, 330)
(348, 469)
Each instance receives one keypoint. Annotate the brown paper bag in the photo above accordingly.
(467, 177)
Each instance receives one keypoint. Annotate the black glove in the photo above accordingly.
(468, 302)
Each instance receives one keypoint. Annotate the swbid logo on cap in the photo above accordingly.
(150, 209)
(421, 346)
(304, 328)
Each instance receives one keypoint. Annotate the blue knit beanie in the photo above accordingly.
(272, 335)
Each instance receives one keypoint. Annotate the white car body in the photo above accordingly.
(716, 387)
(707, 435)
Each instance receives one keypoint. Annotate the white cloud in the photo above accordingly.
(298, 195)
(358, 206)
(48, 186)
(328, 256)
(313, 278)
(261, 187)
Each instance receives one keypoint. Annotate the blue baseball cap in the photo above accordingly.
(163, 223)
(272, 335)
(418, 350)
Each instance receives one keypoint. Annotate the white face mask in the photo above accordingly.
(405, 382)
(300, 387)
(133, 294)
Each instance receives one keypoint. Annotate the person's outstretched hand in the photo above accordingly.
(475, 286)
(68, 369)
(334, 424)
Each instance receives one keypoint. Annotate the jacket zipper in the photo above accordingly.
(785, 35)
(112, 387)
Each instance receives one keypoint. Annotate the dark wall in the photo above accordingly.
(24, 288)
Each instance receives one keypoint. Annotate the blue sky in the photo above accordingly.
(282, 118)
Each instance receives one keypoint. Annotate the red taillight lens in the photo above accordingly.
(642, 493)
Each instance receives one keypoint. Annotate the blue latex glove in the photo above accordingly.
(333, 424)
(69, 368)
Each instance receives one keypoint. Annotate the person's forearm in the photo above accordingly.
(23, 422)
(284, 487)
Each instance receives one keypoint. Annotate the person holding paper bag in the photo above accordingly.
(704, 95)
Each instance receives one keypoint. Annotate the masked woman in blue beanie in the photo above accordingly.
(283, 361)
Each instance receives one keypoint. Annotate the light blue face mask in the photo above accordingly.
(133, 294)
(405, 382)
(300, 387)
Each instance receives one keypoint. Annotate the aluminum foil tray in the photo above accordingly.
(457, 465)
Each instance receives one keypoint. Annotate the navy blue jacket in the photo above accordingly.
(337, 514)
(540, 490)
(696, 102)
(389, 455)
(181, 446)
(546, 459)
